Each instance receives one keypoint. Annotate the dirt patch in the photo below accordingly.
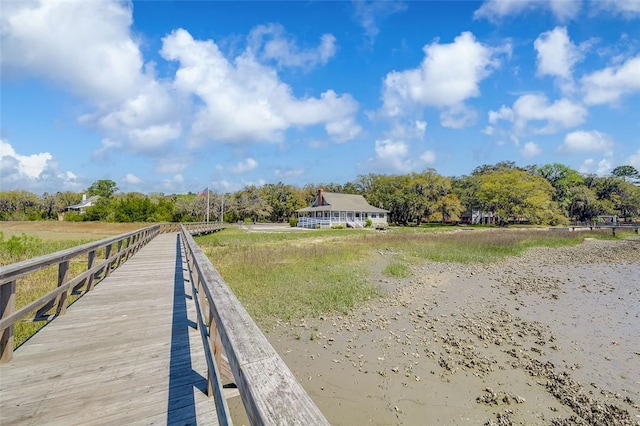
(549, 337)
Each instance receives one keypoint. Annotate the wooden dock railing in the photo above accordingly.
(115, 251)
(269, 390)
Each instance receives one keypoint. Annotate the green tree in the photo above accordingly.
(133, 207)
(627, 173)
(103, 187)
(515, 194)
(283, 199)
(563, 179)
(249, 203)
(450, 207)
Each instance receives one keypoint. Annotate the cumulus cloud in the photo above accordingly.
(586, 141)
(173, 164)
(368, 13)
(496, 10)
(245, 101)
(610, 84)
(592, 166)
(32, 171)
(396, 156)
(448, 75)
(530, 150)
(561, 114)
(556, 56)
(271, 43)
(245, 166)
(94, 56)
(131, 179)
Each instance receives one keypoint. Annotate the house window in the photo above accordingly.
(381, 215)
(373, 215)
(336, 214)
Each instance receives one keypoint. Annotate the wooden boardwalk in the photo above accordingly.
(125, 353)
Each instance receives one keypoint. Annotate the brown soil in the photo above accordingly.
(550, 337)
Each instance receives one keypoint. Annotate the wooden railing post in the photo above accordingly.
(119, 254)
(7, 306)
(91, 257)
(63, 276)
(216, 349)
(107, 254)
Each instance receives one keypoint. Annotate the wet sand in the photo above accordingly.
(549, 337)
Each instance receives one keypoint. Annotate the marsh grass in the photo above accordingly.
(299, 274)
(397, 270)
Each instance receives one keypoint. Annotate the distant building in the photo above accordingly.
(330, 209)
(86, 202)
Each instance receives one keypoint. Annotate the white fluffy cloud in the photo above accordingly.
(396, 156)
(609, 85)
(289, 173)
(244, 166)
(495, 10)
(131, 179)
(245, 101)
(32, 172)
(530, 150)
(556, 56)
(93, 55)
(586, 141)
(92, 52)
(561, 114)
(448, 75)
(592, 166)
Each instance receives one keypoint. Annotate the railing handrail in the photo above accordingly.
(269, 390)
(19, 269)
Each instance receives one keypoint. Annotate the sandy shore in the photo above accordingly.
(550, 337)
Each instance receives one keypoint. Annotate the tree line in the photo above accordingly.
(550, 194)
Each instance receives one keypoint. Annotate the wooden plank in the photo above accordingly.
(7, 306)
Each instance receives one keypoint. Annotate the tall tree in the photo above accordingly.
(627, 173)
(563, 179)
(515, 194)
(103, 187)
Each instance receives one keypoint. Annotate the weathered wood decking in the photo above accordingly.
(125, 353)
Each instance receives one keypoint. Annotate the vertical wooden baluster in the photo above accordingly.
(119, 253)
(63, 277)
(7, 306)
(90, 259)
(107, 267)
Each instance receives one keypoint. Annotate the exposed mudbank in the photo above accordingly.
(549, 337)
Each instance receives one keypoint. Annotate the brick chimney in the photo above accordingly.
(320, 197)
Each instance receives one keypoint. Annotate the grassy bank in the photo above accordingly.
(291, 275)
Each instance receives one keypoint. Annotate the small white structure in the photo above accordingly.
(333, 209)
(86, 202)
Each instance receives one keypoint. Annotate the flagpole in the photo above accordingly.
(222, 209)
(207, 205)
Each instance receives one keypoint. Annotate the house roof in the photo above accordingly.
(342, 202)
(85, 203)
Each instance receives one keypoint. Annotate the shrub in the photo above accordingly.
(293, 222)
(368, 223)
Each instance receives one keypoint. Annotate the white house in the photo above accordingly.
(330, 208)
(86, 202)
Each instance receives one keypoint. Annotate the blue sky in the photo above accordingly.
(172, 97)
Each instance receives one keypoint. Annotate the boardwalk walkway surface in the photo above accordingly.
(125, 353)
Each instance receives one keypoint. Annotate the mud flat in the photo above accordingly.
(549, 337)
